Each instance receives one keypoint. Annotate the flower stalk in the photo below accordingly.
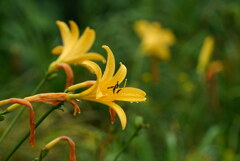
(31, 116)
(28, 133)
(19, 114)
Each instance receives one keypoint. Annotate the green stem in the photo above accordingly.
(128, 142)
(42, 155)
(20, 112)
(28, 133)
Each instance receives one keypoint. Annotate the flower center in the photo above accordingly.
(115, 88)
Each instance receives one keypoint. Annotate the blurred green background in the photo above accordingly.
(184, 124)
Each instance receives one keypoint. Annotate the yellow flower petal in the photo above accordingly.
(96, 69)
(131, 94)
(121, 114)
(88, 56)
(168, 37)
(85, 41)
(57, 49)
(120, 75)
(205, 54)
(141, 27)
(165, 53)
(81, 85)
(74, 30)
(64, 30)
(99, 93)
(110, 67)
(75, 47)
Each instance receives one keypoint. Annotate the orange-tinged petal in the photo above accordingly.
(112, 115)
(64, 30)
(213, 68)
(57, 49)
(110, 67)
(85, 41)
(74, 30)
(72, 155)
(76, 107)
(31, 117)
(78, 59)
(131, 94)
(69, 73)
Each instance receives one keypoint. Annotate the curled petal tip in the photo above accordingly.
(90, 30)
(105, 47)
(103, 61)
(58, 22)
(57, 50)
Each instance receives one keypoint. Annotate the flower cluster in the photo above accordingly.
(106, 89)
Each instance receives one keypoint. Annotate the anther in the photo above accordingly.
(119, 90)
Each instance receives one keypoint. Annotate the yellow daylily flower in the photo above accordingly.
(205, 54)
(75, 48)
(155, 39)
(106, 89)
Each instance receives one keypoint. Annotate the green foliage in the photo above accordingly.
(185, 124)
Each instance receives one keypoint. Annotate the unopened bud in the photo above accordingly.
(138, 121)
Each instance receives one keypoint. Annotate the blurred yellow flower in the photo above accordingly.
(74, 49)
(205, 54)
(106, 89)
(155, 39)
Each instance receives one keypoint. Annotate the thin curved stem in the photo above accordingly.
(28, 133)
(128, 142)
(20, 112)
